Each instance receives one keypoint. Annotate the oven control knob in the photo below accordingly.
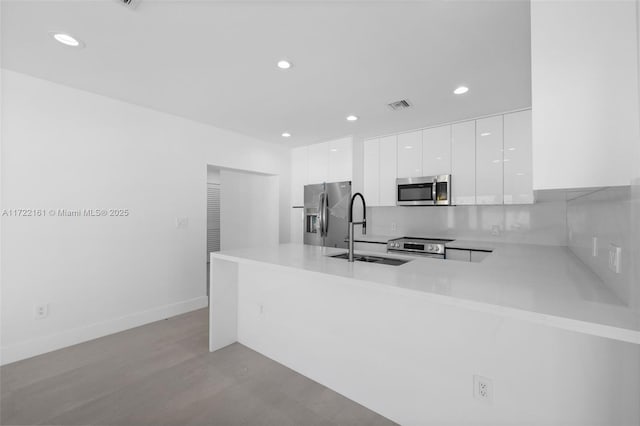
(430, 248)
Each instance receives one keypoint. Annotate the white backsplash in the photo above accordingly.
(540, 223)
(606, 214)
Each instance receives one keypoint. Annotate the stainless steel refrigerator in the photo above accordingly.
(326, 209)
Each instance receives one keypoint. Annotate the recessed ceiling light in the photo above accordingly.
(352, 117)
(485, 134)
(334, 149)
(67, 40)
(408, 147)
(460, 90)
(284, 64)
(286, 135)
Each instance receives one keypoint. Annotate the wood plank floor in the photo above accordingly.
(163, 374)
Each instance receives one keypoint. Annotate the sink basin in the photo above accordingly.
(393, 261)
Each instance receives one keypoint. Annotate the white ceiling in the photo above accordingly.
(214, 61)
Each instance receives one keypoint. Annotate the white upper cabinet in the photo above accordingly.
(409, 154)
(388, 171)
(489, 160)
(584, 75)
(518, 179)
(298, 175)
(463, 163)
(323, 162)
(318, 163)
(436, 151)
(340, 160)
(372, 171)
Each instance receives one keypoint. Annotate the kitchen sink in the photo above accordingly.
(393, 261)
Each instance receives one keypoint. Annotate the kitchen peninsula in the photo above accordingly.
(383, 335)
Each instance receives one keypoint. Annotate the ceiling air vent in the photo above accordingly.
(129, 3)
(398, 105)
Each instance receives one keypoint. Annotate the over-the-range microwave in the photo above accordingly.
(424, 191)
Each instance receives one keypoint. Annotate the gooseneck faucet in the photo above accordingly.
(352, 224)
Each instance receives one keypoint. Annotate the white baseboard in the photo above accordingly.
(41, 345)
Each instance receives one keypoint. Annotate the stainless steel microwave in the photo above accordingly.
(424, 191)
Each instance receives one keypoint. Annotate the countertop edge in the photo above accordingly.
(569, 324)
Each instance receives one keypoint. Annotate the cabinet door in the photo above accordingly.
(518, 159)
(436, 151)
(297, 225)
(318, 163)
(372, 171)
(489, 161)
(463, 163)
(298, 175)
(340, 160)
(409, 154)
(388, 150)
(458, 254)
(479, 256)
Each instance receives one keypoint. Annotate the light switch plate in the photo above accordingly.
(594, 246)
(615, 258)
(182, 222)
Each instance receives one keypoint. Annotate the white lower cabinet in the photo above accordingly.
(458, 254)
(466, 255)
(479, 256)
(489, 160)
(463, 163)
(518, 158)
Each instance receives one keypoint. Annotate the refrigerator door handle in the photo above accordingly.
(321, 214)
(325, 221)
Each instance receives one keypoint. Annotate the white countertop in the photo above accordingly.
(542, 284)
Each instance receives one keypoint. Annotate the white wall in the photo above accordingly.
(248, 210)
(67, 149)
(606, 215)
(584, 86)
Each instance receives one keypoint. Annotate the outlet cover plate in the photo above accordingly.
(615, 257)
(483, 389)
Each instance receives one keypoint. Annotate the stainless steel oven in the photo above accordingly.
(424, 191)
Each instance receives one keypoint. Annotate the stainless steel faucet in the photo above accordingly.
(352, 224)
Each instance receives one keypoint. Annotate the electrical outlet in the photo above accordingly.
(483, 389)
(41, 311)
(594, 247)
(495, 230)
(615, 257)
